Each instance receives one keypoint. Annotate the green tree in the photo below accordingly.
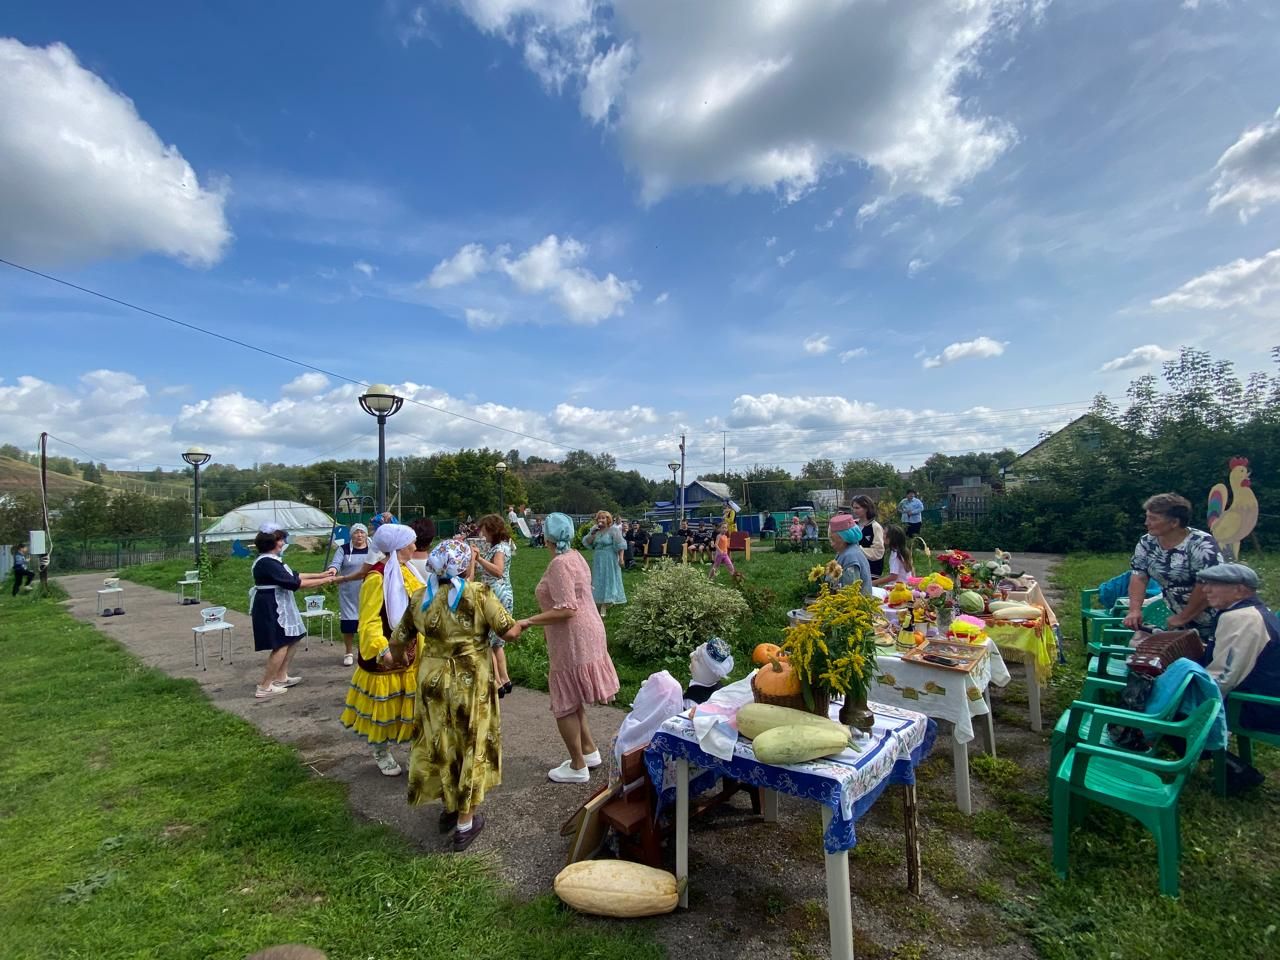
(19, 515)
(84, 515)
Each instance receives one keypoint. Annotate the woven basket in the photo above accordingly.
(821, 700)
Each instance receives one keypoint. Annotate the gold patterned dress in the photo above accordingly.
(456, 754)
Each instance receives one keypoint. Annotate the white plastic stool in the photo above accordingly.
(190, 579)
(213, 623)
(111, 598)
(315, 608)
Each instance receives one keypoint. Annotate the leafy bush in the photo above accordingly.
(781, 546)
(677, 608)
(760, 600)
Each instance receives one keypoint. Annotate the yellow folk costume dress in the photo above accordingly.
(380, 701)
(457, 746)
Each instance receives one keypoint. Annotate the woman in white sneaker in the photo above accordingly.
(273, 608)
(580, 670)
(348, 567)
(380, 700)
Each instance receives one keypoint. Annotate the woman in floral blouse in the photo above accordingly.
(1172, 552)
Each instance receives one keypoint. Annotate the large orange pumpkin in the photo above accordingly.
(778, 679)
(765, 652)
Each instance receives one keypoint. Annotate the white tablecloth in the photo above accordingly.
(938, 692)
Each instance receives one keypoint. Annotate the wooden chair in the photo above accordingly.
(677, 548)
(740, 541)
(631, 813)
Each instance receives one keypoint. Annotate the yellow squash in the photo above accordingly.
(617, 888)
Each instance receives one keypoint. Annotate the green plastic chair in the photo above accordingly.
(1071, 727)
(1107, 655)
(1094, 620)
(1244, 735)
(1142, 786)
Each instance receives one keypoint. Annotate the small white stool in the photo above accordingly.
(315, 608)
(111, 598)
(190, 579)
(213, 623)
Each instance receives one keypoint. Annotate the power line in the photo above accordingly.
(280, 356)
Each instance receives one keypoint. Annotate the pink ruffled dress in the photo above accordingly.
(581, 671)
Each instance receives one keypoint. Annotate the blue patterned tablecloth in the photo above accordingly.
(848, 783)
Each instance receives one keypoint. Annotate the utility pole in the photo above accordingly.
(335, 496)
(724, 452)
(44, 510)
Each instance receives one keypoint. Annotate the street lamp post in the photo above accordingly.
(501, 469)
(197, 458)
(379, 401)
(674, 467)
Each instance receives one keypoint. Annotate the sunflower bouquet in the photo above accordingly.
(833, 653)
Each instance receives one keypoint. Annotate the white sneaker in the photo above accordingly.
(565, 773)
(266, 693)
(593, 759)
(286, 682)
(348, 660)
(387, 764)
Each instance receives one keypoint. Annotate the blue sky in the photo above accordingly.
(832, 228)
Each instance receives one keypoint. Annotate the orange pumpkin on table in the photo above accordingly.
(764, 653)
(777, 679)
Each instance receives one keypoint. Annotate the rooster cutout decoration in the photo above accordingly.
(1233, 514)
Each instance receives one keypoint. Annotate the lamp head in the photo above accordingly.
(673, 467)
(197, 457)
(501, 467)
(379, 400)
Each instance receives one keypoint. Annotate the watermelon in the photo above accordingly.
(970, 602)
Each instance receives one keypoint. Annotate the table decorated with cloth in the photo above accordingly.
(951, 695)
(1034, 643)
(845, 786)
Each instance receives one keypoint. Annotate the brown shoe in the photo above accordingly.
(463, 839)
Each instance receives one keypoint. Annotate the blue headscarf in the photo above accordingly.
(852, 535)
(559, 529)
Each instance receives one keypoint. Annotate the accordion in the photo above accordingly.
(1153, 652)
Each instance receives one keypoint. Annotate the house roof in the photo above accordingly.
(718, 490)
(1045, 446)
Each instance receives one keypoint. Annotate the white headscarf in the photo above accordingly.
(389, 538)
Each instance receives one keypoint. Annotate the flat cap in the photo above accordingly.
(1229, 573)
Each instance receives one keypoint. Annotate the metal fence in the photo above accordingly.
(114, 554)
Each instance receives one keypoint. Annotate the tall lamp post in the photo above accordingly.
(379, 401)
(674, 467)
(501, 469)
(197, 458)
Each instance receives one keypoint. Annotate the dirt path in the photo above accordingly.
(758, 886)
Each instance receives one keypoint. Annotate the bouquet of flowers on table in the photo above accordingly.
(834, 653)
(988, 575)
(936, 588)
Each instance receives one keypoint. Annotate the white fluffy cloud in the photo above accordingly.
(1142, 356)
(1248, 173)
(550, 268)
(817, 344)
(854, 354)
(113, 415)
(480, 319)
(786, 258)
(1241, 283)
(967, 349)
(661, 298)
(363, 266)
(82, 175)
(741, 95)
(465, 265)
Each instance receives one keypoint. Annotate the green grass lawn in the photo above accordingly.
(138, 821)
